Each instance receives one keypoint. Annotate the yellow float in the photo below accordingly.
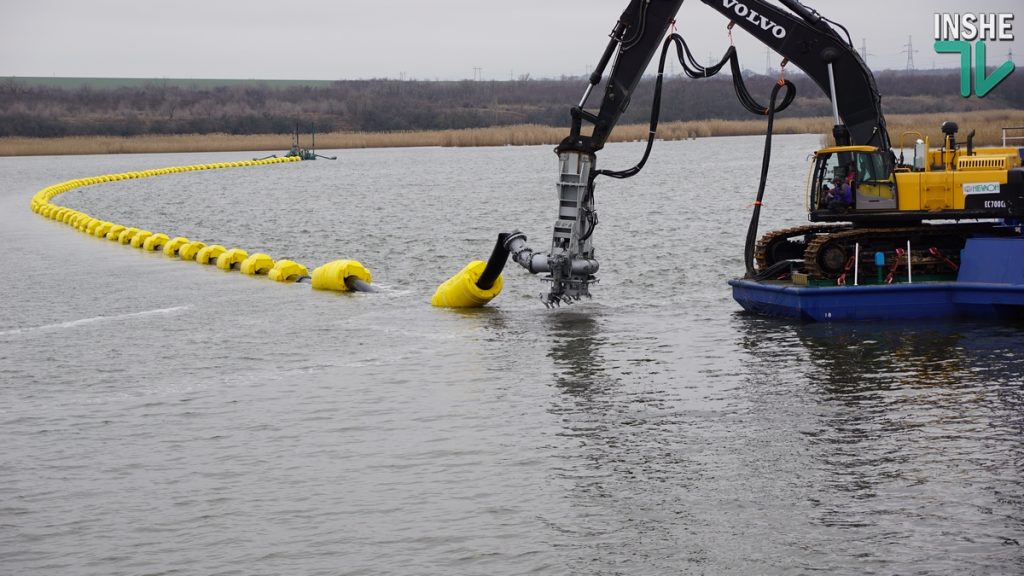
(461, 290)
(231, 259)
(188, 251)
(139, 238)
(155, 242)
(257, 264)
(340, 275)
(209, 254)
(287, 271)
(174, 245)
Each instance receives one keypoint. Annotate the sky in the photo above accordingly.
(413, 39)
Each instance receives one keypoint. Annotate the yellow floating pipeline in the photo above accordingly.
(337, 275)
(342, 276)
(461, 290)
(209, 253)
(189, 251)
(257, 264)
(155, 242)
(288, 271)
(40, 201)
(173, 245)
(231, 259)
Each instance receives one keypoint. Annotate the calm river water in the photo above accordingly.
(161, 417)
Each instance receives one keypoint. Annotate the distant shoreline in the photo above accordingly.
(987, 123)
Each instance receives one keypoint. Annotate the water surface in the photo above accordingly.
(161, 417)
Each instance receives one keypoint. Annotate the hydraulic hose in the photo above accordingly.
(748, 248)
(694, 70)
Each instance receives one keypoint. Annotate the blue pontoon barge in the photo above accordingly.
(988, 285)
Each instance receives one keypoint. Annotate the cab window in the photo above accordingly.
(826, 169)
(870, 167)
(870, 177)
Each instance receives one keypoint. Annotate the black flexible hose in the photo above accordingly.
(748, 248)
(638, 26)
(694, 70)
(495, 264)
(776, 270)
(655, 116)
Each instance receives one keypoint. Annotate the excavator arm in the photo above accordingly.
(634, 41)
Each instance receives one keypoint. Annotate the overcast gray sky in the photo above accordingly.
(413, 39)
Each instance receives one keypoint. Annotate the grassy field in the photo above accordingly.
(988, 125)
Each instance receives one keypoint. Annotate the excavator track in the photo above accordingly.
(777, 245)
(827, 255)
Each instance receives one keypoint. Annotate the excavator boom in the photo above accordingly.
(800, 35)
(808, 41)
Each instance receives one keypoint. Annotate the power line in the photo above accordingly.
(864, 51)
(909, 50)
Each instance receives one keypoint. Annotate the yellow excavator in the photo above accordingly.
(961, 186)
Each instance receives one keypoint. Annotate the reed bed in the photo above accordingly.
(987, 123)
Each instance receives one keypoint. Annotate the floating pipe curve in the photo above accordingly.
(180, 246)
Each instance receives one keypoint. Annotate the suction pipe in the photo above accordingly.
(480, 282)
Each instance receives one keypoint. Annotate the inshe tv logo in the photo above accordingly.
(955, 32)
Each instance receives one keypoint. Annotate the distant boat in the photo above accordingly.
(298, 151)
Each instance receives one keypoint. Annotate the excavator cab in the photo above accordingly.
(863, 168)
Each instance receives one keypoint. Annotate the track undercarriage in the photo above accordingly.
(827, 252)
